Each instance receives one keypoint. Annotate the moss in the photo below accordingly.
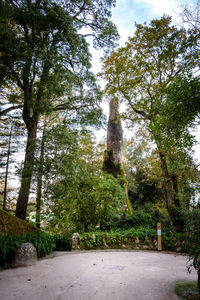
(184, 289)
(109, 165)
(11, 225)
(117, 121)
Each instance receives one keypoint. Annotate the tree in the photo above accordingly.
(40, 173)
(190, 15)
(77, 193)
(181, 110)
(45, 58)
(143, 172)
(11, 140)
(139, 74)
(113, 154)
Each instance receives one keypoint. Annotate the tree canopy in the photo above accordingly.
(140, 74)
(45, 61)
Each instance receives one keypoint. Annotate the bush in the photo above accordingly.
(43, 242)
(193, 228)
(127, 239)
(99, 200)
(63, 242)
(172, 240)
(116, 239)
(139, 218)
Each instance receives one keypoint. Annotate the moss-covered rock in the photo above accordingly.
(11, 225)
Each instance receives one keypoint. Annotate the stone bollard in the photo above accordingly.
(75, 244)
(26, 255)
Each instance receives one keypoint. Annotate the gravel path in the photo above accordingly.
(98, 275)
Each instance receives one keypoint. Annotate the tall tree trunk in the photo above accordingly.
(171, 199)
(22, 201)
(198, 280)
(39, 177)
(113, 155)
(7, 167)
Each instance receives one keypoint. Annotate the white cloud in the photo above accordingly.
(160, 7)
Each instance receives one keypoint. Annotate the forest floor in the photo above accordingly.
(102, 275)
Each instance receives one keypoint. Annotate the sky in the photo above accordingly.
(128, 12)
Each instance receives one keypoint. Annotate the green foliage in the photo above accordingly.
(181, 107)
(193, 229)
(63, 242)
(117, 239)
(43, 242)
(77, 193)
(45, 59)
(99, 199)
(139, 75)
(185, 289)
(138, 218)
(173, 239)
(135, 238)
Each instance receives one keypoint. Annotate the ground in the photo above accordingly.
(98, 275)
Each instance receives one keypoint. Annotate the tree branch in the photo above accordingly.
(7, 110)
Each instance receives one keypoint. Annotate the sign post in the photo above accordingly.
(159, 236)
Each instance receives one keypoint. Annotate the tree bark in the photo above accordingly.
(39, 177)
(176, 189)
(6, 176)
(22, 201)
(113, 155)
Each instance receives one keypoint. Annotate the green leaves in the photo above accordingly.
(43, 242)
(99, 200)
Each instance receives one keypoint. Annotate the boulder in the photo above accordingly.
(26, 255)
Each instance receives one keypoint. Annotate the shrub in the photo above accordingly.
(63, 242)
(139, 218)
(43, 242)
(115, 239)
(147, 236)
(100, 199)
(193, 229)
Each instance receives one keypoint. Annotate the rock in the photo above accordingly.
(145, 247)
(26, 255)
(75, 244)
(137, 240)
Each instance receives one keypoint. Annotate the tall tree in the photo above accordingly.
(45, 56)
(139, 74)
(11, 134)
(113, 154)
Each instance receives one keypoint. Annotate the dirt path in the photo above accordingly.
(116, 275)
